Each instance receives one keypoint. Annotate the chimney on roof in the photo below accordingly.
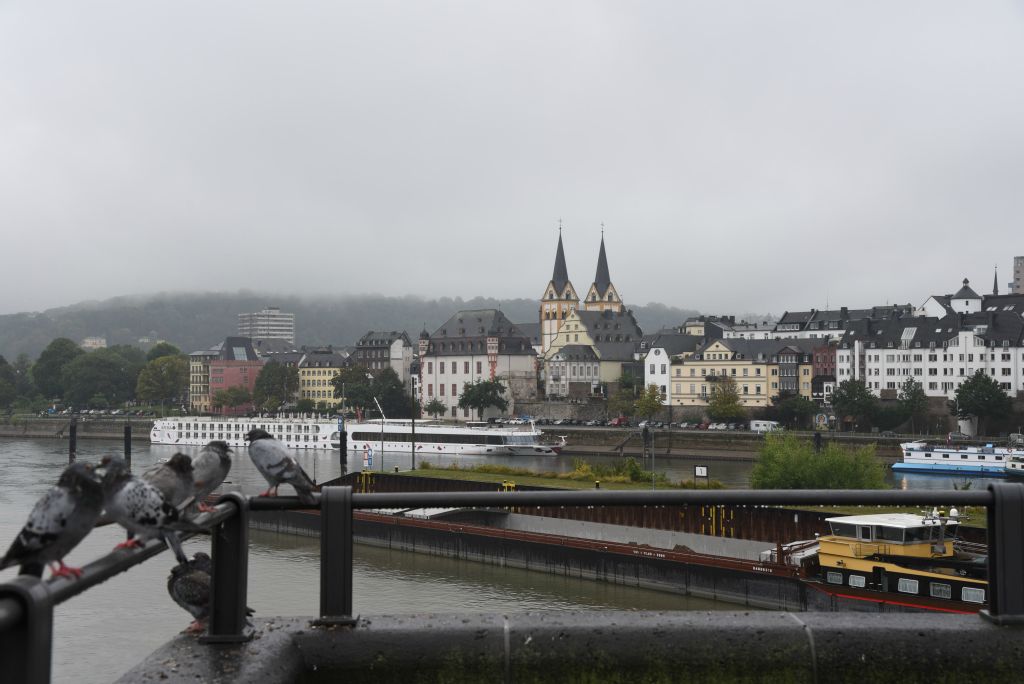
(844, 312)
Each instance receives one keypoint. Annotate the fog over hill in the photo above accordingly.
(198, 320)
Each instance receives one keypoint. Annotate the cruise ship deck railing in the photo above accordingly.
(27, 603)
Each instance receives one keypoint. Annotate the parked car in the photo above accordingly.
(621, 421)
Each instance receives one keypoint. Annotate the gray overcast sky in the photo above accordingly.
(744, 156)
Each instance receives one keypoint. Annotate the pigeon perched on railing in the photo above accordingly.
(189, 586)
(278, 467)
(209, 469)
(174, 479)
(140, 508)
(58, 522)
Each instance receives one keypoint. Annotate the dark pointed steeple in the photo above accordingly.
(602, 280)
(995, 282)
(560, 276)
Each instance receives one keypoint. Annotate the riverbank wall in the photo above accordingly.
(88, 428)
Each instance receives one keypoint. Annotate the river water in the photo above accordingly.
(106, 630)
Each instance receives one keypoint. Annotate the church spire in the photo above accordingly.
(560, 276)
(601, 279)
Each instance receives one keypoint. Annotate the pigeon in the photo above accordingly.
(173, 479)
(141, 508)
(277, 466)
(189, 586)
(58, 522)
(210, 468)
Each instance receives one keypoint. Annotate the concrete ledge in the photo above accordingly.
(605, 646)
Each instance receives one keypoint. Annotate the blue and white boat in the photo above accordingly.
(921, 457)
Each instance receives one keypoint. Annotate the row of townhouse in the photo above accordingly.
(760, 369)
(938, 353)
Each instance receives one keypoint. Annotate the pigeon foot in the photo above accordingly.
(268, 492)
(206, 508)
(65, 571)
(129, 544)
(196, 627)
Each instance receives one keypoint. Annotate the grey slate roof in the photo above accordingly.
(380, 338)
(531, 330)
(601, 279)
(966, 292)
(762, 350)
(576, 352)
(676, 343)
(323, 358)
(560, 274)
(467, 331)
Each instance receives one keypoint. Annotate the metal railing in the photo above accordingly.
(27, 603)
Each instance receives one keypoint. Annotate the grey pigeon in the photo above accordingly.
(174, 479)
(209, 469)
(189, 586)
(278, 467)
(58, 522)
(140, 508)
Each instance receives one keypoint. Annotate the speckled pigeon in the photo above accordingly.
(141, 509)
(189, 586)
(278, 467)
(58, 522)
(209, 469)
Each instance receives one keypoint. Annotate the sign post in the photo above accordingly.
(701, 471)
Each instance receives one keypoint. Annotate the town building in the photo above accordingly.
(602, 295)
(823, 373)
(559, 299)
(471, 346)
(270, 323)
(199, 379)
(614, 337)
(377, 350)
(760, 369)
(236, 365)
(93, 343)
(658, 359)
(317, 368)
(1017, 285)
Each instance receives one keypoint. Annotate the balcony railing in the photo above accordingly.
(27, 603)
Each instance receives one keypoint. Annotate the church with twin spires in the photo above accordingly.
(586, 345)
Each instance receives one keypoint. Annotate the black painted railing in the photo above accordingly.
(26, 603)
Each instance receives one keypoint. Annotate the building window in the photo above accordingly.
(455, 411)
(440, 389)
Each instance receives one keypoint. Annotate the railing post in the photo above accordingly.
(1005, 555)
(336, 555)
(230, 581)
(26, 648)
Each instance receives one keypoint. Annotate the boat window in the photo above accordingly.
(972, 595)
(843, 529)
(865, 532)
(907, 586)
(999, 458)
(981, 458)
(893, 534)
(927, 455)
(945, 455)
(834, 577)
(941, 590)
(965, 456)
(919, 534)
(857, 581)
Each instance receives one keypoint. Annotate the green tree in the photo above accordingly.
(482, 395)
(112, 372)
(165, 378)
(48, 370)
(353, 385)
(648, 403)
(23, 385)
(786, 462)
(724, 403)
(622, 403)
(981, 397)
(232, 397)
(853, 399)
(434, 407)
(8, 380)
(793, 410)
(276, 385)
(305, 406)
(162, 349)
(360, 387)
(914, 401)
(630, 383)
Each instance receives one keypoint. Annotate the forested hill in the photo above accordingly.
(197, 321)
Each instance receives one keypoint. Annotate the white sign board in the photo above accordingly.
(700, 471)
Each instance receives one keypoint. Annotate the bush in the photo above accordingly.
(786, 462)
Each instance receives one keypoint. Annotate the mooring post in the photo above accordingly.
(229, 584)
(336, 555)
(73, 439)
(1005, 555)
(26, 647)
(128, 444)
